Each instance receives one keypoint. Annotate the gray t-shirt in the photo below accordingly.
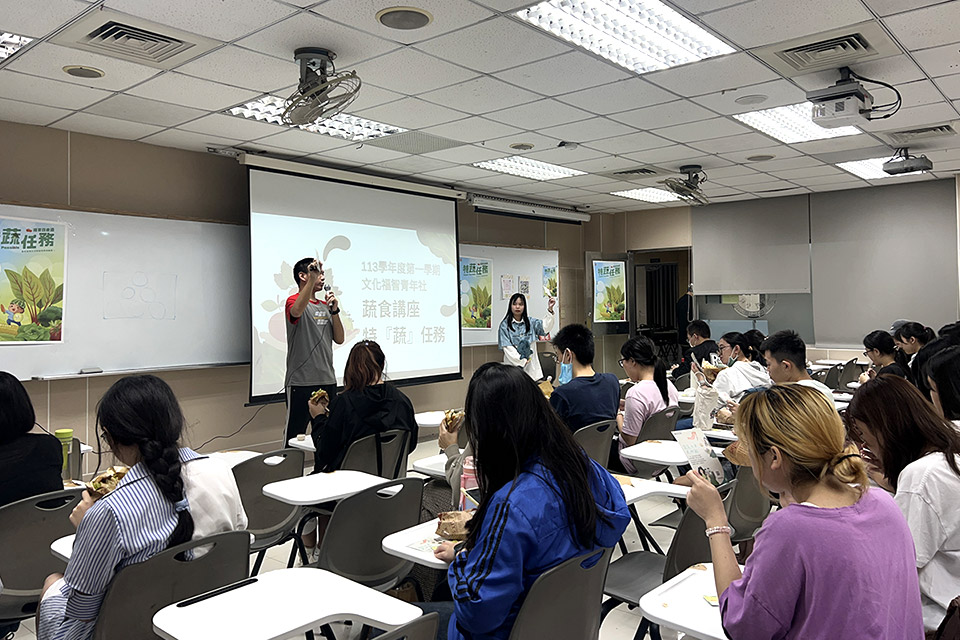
(309, 345)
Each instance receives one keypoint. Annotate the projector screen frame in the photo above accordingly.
(345, 177)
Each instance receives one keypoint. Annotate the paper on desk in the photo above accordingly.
(427, 544)
(700, 454)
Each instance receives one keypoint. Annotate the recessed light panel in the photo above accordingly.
(871, 169)
(528, 168)
(342, 125)
(639, 35)
(10, 43)
(648, 195)
(792, 124)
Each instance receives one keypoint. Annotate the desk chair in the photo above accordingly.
(596, 438)
(27, 528)
(682, 382)
(849, 373)
(659, 426)
(270, 521)
(380, 454)
(832, 379)
(139, 590)
(564, 602)
(423, 628)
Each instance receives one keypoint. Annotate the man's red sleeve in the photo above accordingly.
(290, 301)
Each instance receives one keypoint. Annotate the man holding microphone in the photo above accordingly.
(313, 325)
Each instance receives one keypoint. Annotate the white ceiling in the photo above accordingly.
(482, 77)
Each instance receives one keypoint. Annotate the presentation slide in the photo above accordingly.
(389, 256)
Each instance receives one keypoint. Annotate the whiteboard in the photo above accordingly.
(200, 270)
(509, 261)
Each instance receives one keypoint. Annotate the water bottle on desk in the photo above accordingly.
(65, 436)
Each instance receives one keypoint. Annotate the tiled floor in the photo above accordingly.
(621, 624)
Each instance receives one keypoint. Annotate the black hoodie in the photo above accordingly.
(356, 414)
(699, 353)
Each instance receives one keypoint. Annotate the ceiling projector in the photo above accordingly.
(907, 164)
(844, 104)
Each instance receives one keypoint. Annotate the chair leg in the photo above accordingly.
(623, 546)
(309, 634)
(655, 631)
(642, 629)
(327, 632)
(365, 632)
(641, 531)
(258, 563)
(608, 606)
(293, 555)
(667, 473)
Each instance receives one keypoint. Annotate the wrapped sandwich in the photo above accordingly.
(106, 482)
(711, 370)
(318, 396)
(453, 524)
(452, 419)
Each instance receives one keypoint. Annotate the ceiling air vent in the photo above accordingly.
(830, 50)
(910, 137)
(414, 142)
(117, 35)
(635, 173)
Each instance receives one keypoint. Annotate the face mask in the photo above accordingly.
(732, 359)
(566, 372)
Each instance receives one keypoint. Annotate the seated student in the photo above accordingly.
(837, 560)
(910, 337)
(916, 454)
(169, 496)
(755, 337)
(883, 353)
(583, 396)
(917, 369)
(943, 379)
(367, 405)
(543, 502)
(743, 372)
(30, 463)
(786, 357)
(701, 346)
(651, 392)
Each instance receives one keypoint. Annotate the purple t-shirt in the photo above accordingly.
(829, 573)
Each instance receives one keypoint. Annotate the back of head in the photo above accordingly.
(916, 330)
(804, 425)
(904, 423)
(364, 367)
(880, 340)
(641, 350)
(943, 368)
(143, 412)
(918, 367)
(579, 340)
(747, 346)
(786, 345)
(510, 423)
(951, 331)
(699, 328)
(755, 337)
(17, 416)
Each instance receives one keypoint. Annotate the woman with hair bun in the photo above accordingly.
(910, 337)
(883, 353)
(170, 495)
(837, 561)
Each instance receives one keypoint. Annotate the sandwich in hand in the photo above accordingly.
(106, 482)
(453, 524)
(452, 419)
(319, 395)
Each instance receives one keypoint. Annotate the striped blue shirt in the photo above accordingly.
(129, 525)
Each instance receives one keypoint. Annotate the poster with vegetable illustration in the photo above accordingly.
(609, 291)
(549, 282)
(32, 254)
(476, 283)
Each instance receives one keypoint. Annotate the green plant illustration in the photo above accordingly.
(476, 315)
(39, 292)
(551, 289)
(613, 305)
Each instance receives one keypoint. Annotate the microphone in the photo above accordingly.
(327, 287)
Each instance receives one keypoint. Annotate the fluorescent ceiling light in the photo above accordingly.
(793, 123)
(527, 168)
(639, 35)
(342, 125)
(871, 169)
(10, 43)
(648, 195)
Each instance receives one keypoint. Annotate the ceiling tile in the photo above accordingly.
(371, 96)
(188, 140)
(208, 17)
(310, 30)
(142, 110)
(494, 45)
(595, 128)
(769, 186)
(779, 93)
(359, 154)
(467, 154)
(480, 95)
(939, 61)
(779, 152)
(889, 7)
(631, 143)
(750, 178)
(702, 6)
(715, 74)
(543, 113)
(362, 14)
(243, 68)
(458, 173)
(411, 72)
(895, 70)
(669, 154)
(702, 130)
(950, 85)
(782, 193)
(589, 182)
(838, 186)
(783, 164)
(754, 24)
(915, 94)
(562, 74)
(927, 27)
(472, 130)
(225, 126)
(539, 142)
(734, 143)
(618, 96)
(605, 164)
(506, 5)
(47, 60)
(107, 127)
(856, 154)
(303, 141)
(177, 88)
(839, 176)
(411, 113)
(914, 117)
(731, 171)
(27, 113)
(415, 164)
(51, 93)
(35, 20)
(664, 115)
(565, 155)
(500, 180)
(816, 147)
(809, 172)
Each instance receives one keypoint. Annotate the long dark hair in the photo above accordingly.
(944, 369)
(524, 317)
(641, 350)
(918, 368)
(755, 337)
(906, 425)
(509, 424)
(914, 330)
(883, 342)
(364, 365)
(142, 411)
(747, 347)
(17, 416)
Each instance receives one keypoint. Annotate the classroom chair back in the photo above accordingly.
(381, 454)
(423, 628)
(596, 439)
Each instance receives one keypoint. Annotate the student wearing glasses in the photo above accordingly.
(884, 355)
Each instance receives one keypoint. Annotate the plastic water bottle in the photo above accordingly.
(468, 482)
(65, 436)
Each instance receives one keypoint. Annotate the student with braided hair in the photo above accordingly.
(169, 496)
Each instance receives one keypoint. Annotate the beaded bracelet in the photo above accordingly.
(714, 530)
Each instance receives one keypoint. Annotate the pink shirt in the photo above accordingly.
(642, 401)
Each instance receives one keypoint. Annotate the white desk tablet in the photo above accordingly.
(321, 487)
(416, 544)
(665, 452)
(681, 604)
(63, 547)
(433, 467)
(306, 444)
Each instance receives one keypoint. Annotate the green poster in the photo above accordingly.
(32, 253)
(609, 291)
(476, 304)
